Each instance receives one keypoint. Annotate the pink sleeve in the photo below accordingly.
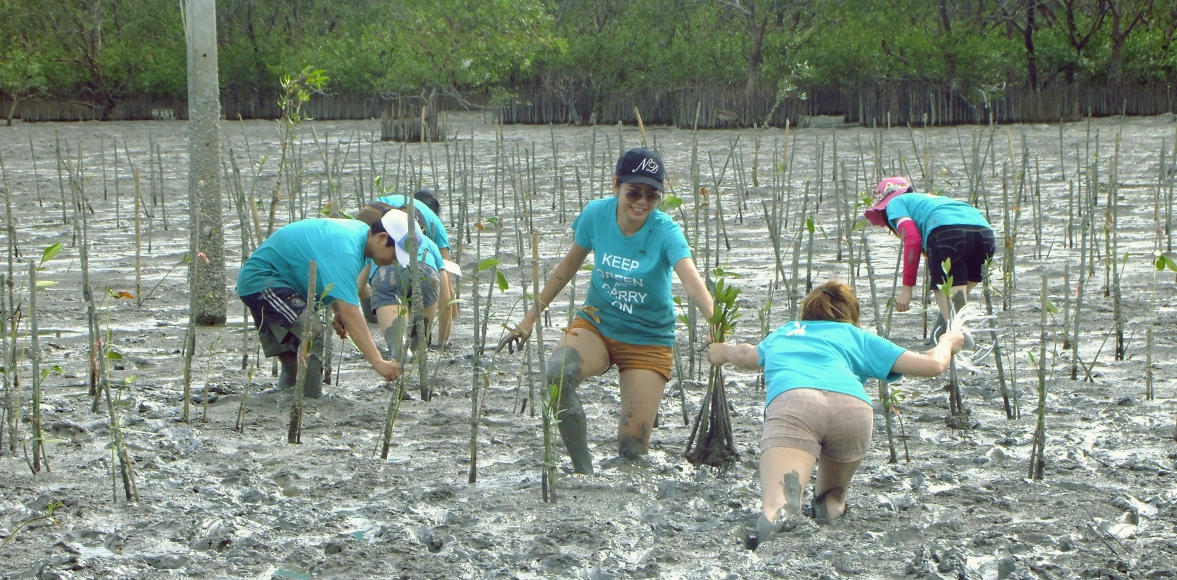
(912, 246)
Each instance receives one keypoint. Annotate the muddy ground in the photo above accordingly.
(215, 503)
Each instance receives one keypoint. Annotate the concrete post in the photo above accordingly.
(204, 159)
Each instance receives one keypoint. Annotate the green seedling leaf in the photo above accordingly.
(326, 291)
(809, 225)
(487, 264)
(502, 280)
(678, 300)
(129, 380)
(1166, 260)
(670, 202)
(45, 283)
(588, 267)
(1030, 353)
(114, 355)
(859, 225)
(1051, 308)
(51, 252)
(325, 211)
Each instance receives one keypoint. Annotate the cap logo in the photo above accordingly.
(648, 165)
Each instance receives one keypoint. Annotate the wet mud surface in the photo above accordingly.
(215, 503)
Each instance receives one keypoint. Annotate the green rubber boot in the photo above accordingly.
(313, 387)
(288, 362)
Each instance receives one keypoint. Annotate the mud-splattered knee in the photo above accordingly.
(564, 369)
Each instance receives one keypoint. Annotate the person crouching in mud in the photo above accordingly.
(630, 310)
(387, 289)
(817, 411)
(273, 283)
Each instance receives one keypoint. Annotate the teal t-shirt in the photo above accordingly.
(825, 355)
(336, 246)
(932, 211)
(631, 274)
(433, 226)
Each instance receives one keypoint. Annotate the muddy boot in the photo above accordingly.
(765, 531)
(574, 432)
(937, 329)
(313, 387)
(288, 361)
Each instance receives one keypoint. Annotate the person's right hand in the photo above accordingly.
(387, 369)
(338, 326)
(717, 353)
(903, 299)
(514, 340)
(954, 338)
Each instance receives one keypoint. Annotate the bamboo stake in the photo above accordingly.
(60, 177)
(37, 175)
(1037, 452)
(294, 434)
(986, 289)
(884, 390)
(34, 343)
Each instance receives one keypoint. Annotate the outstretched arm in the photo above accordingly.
(355, 325)
(741, 355)
(560, 278)
(933, 362)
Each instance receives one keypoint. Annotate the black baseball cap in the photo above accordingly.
(639, 165)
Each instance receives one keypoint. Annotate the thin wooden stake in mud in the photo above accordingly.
(1037, 451)
(294, 434)
(1011, 412)
(884, 390)
(539, 323)
(34, 344)
(641, 126)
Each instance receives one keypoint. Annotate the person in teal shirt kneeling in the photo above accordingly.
(817, 411)
(628, 316)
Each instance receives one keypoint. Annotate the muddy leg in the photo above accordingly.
(565, 369)
(784, 473)
(394, 336)
(641, 393)
(833, 479)
(579, 355)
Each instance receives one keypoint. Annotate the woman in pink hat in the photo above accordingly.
(944, 229)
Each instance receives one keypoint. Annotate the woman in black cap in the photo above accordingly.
(628, 316)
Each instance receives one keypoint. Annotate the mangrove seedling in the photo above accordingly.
(711, 442)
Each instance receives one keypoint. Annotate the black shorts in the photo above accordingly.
(277, 316)
(967, 246)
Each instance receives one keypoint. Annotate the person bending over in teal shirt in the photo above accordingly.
(817, 411)
(273, 283)
(945, 229)
(387, 289)
(630, 318)
(428, 211)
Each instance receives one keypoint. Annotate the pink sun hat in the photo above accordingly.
(885, 191)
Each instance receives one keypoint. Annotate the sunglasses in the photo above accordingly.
(652, 197)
